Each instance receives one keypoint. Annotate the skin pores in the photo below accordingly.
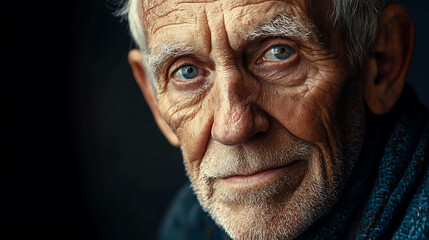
(268, 125)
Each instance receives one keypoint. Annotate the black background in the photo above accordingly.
(81, 155)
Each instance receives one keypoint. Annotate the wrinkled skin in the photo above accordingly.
(244, 114)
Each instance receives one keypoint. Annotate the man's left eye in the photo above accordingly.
(278, 53)
(187, 72)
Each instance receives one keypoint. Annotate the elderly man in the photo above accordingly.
(293, 116)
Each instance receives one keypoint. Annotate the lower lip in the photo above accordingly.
(256, 178)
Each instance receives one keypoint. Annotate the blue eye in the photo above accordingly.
(278, 52)
(187, 72)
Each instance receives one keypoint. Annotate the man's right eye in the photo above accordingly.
(278, 53)
(187, 72)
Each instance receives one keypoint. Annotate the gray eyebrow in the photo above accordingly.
(286, 26)
(156, 59)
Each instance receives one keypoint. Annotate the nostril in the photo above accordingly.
(230, 133)
(258, 135)
(261, 120)
(229, 129)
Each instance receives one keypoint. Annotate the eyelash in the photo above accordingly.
(180, 71)
(199, 82)
(269, 44)
(182, 62)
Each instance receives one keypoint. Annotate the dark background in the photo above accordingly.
(82, 157)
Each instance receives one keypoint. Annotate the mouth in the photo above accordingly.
(256, 178)
(270, 184)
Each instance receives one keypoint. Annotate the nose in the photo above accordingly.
(237, 116)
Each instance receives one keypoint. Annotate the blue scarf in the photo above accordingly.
(386, 197)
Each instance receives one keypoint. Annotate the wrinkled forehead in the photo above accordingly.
(198, 22)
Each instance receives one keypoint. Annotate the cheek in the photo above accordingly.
(194, 136)
(189, 117)
(309, 110)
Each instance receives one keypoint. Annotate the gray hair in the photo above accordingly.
(357, 21)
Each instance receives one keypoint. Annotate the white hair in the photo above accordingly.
(357, 21)
(130, 11)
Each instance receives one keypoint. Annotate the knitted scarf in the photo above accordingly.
(386, 197)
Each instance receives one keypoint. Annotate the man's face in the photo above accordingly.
(263, 111)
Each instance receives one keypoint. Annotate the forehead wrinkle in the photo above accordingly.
(171, 16)
(170, 24)
(164, 14)
(146, 8)
(221, 48)
(203, 24)
(234, 6)
(157, 4)
(173, 10)
(197, 1)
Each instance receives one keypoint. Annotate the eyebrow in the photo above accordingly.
(286, 26)
(156, 59)
(282, 25)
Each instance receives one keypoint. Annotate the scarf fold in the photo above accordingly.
(401, 169)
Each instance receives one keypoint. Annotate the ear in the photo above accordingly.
(389, 59)
(135, 59)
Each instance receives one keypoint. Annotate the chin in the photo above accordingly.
(275, 220)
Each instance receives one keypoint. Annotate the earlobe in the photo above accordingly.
(135, 59)
(389, 59)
